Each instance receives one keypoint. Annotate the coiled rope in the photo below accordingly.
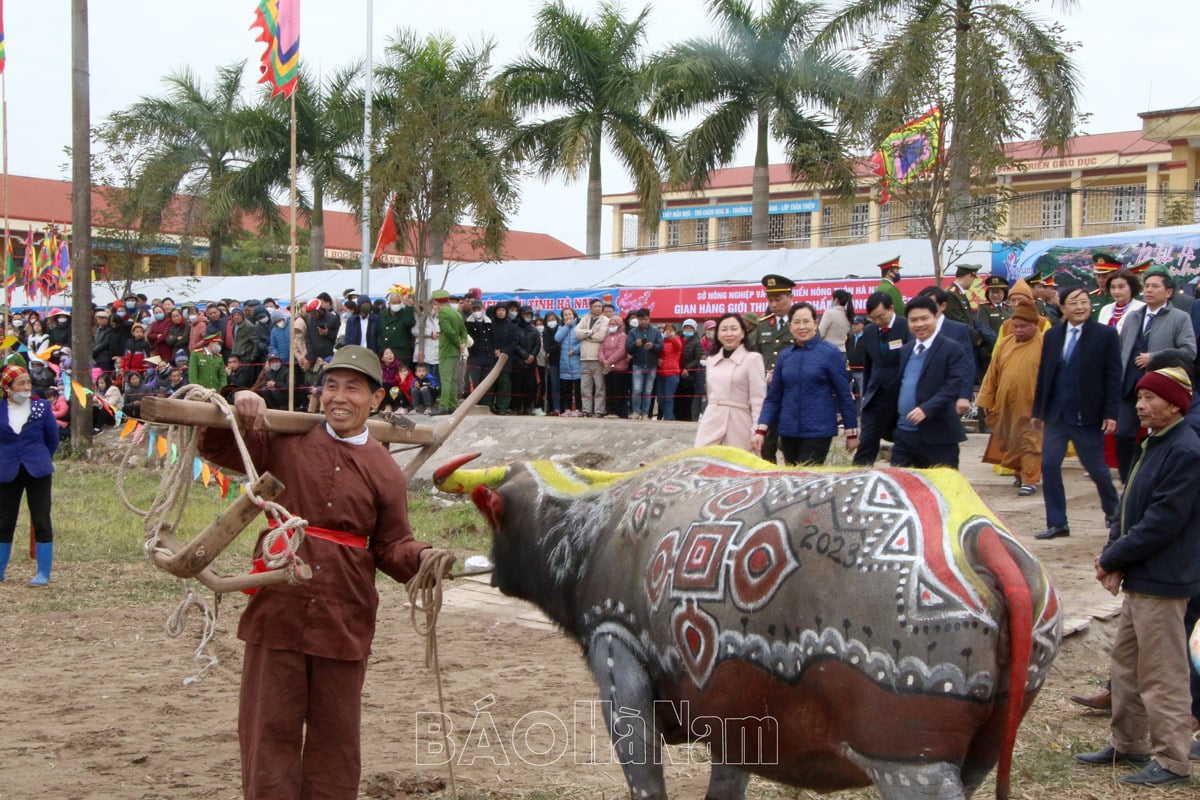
(279, 545)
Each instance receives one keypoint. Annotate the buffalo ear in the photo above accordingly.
(490, 504)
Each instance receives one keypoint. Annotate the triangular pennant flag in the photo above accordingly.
(118, 415)
(80, 393)
(130, 425)
(225, 489)
(150, 444)
(196, 469)
(139, 432)
(205, 474)
(174, 453)
(162, 446)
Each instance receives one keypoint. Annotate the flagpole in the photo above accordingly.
(7, 246)
(365, 281)
(292, 252)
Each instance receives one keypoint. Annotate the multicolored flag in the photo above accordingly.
(279, 23)
(27, 267)
(10, 271)
(66, 275)
(3, 54)
(47, 276)
(909, 151)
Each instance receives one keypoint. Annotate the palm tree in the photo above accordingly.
(438, 149)
(997, 71)
(329, 115)
(592, 74)
(758, 75)
(201, 140)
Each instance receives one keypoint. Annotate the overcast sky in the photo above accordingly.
(1132, 57)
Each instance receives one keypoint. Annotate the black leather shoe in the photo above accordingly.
(1054, 533)
(1111, 755)
(1155, 774)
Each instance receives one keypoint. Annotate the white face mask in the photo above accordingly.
(193, 317)
(394, 307)
(21, 397)
(281, 323)
(637, 323)
(613, 328)
(552, 323)
(539, 327)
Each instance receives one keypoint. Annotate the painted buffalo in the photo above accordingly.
(822, 628)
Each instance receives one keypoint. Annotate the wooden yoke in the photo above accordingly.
(206, 415)
(187, 561)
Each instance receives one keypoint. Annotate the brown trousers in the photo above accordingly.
(1149, 671)
(298, 725)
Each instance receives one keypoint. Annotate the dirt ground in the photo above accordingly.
(93, 703)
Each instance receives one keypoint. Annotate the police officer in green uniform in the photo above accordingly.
(958, 305)
(1103, 266)
(997, 309)
(771, 336)
(1040, 287)
(891, 273)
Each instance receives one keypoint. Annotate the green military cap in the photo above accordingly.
(359, 359)
(777, 284)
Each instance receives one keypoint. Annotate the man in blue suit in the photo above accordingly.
(960, 333)
(1076, 400)
(880, 345)
(933, 370)
(363, 328)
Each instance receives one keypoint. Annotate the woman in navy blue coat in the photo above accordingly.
(28, 439)
(809, 388)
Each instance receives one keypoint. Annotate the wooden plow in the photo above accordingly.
(193, 559)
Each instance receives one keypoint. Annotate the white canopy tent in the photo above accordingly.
(651, 270)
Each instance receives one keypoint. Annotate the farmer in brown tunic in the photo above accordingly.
(307, 644)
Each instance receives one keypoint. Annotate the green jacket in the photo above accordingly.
(395, 331)
(206, 370)
(453, 334)
(770, 341)
(889, 288)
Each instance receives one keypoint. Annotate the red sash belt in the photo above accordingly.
(344, 538)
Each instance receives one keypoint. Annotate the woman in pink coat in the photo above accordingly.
(736, 388)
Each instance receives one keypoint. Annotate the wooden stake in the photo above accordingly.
(292, 310)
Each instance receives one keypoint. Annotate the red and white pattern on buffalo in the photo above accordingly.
(739, 498)
(661, 563)
(761, 563)
(699, 569)
(695, 632)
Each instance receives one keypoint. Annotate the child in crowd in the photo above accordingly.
(422, 390)
(137, 350)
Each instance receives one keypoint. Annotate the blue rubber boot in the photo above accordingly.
(5, 552)
(45, 557)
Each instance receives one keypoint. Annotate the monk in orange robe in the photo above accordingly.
(1007, 394)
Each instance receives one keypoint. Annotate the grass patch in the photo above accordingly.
(99, 555)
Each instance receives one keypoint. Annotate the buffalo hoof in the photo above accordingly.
(1155, 774)
(1111, 755)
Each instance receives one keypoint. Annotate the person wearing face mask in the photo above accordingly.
(41, 378)
(59, 328)
(480, 357)
(552, 351)
(178, 334)
(205, 366)
(156, 333)
(615, 363)
(197, 327)
(504, 340)
(396, 322)
(28, 439)
(278, 342)
(691, 377)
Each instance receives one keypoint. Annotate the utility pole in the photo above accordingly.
(81, 226)
(369, 74)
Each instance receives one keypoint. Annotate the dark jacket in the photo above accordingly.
(639, 356)
(942, 374)
(1156, 540)
(320, 334)
(528, 343)
(480, 353)
(1099, 386)
(395, 331)
(354, 332)
(693, 351)
(854, 351)
(551, 345)
(881, 363)
(958, 332)
(504, 337)
(800, 397)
